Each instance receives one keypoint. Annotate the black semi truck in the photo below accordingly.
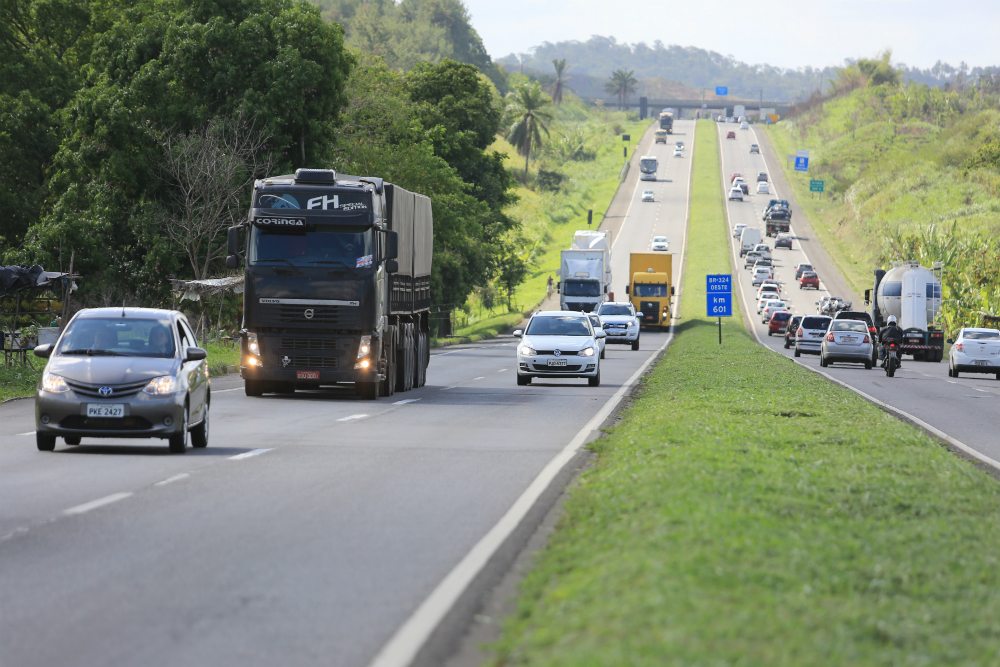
(338, 284)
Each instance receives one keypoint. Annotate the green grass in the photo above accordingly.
(549, 219)
(20, 381)
(745, 511)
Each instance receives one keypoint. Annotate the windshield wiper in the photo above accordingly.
(283, 260)
(330, 262)
(90, 352)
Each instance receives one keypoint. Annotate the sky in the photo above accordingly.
(784, 33)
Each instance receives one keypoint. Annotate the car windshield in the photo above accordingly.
(614, 309)
(982, 335)
(815, 322)
(319, 245)
(849, 325)
(557, 325)
(118, 337)
(650, 289)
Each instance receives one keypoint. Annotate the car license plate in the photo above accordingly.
(556, 362)
(106, 410)
(306, 375)
(849, 339)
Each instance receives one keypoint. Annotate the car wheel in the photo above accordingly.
(178, 441)
(950, 372)
(822, 361)
(602, 353)
(868, 365)
(635, 345)
(199, 434)
(596, 380)
(954, 373)
(72, 440)
(253, 388)
(998, 376)
(523, 380)
(787, 345)
(45, 442)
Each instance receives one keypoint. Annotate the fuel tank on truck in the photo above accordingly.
(912, 293)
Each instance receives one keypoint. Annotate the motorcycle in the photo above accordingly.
(891, 362)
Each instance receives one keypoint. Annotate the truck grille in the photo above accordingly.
(333, 315)
(311, 361)
(307, 344)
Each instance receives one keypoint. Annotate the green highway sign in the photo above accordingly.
(816, 185)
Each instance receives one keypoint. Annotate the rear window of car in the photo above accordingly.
(854, 315)
(782, 316)
(815, 322)
(848, 325)
(981, 335)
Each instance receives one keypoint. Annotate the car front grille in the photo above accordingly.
(571, 368)
(117, 390)
(562, 353)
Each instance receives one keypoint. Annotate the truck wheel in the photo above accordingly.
(367, 391)
(423, 356)
(253, 388)
(389, 383)
(404, 368)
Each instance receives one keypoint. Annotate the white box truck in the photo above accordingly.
(749, 237)
(585, 272)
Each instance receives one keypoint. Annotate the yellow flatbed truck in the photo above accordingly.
(651, 288)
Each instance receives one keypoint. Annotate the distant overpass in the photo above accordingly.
(687, 108)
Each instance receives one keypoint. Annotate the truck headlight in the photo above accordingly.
(54, 384)
(587, 352)
(253, 347)
(161, 386)
(526, 351)
(364, 351)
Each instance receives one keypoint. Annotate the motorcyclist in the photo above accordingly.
(890, 332)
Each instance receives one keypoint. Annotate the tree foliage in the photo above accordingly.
(622, 84)
(559, 82)
(526, 107)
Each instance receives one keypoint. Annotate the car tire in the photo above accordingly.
(602, 352)
(954, 373)
(868, 365)
(523, 380)
(72, 440)
(950, 372)
(635, 345)
(596, 380)
(199, 434)
(822, 361)
(45, 442)
(253, 388)
(178, 442)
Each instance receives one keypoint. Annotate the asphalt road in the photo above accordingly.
(964, 409)
(311, 527)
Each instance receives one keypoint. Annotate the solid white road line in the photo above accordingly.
(400, 650)
(351, 418)
(223, 391)
(250, 454)
(503, 370)
(481, 377)
(171, 480)
(27, 433)
(94, 504)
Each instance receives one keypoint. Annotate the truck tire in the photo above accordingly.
(253, 388)
(404, 358)
(367, 391)
(420, 379)
(388, 387)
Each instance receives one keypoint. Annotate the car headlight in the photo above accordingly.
(161, 386)
(253, 347)
(54, 384)
(587, 352)
(526, 351)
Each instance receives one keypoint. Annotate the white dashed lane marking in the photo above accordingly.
(94, 504)
(250, 454)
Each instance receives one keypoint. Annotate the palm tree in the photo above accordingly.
(622, 84)
(560, 82)
(526, 105)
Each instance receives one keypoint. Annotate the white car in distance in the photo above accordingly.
(559, 343)
(763, 188)
(620, 323)
(736, 193)
(647, 195)
(678, 152)
(773, 306)
(738, 229)
(659, 244)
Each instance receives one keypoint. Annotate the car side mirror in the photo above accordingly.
(195, 354)
(45, 351)
(392, 265)
(951, 341)
(600, 333)
(518, 333)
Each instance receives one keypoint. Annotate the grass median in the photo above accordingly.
(746, 511)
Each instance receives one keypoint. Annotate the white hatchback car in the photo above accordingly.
(659, 244)
(763, 188)
(773, 306)
(736, 193)
(678, 152)
(738, 229)
(647, 195)
(559, 343)
(760, 274)
(975, 351)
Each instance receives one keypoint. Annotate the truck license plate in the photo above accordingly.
(106, 410)
(556, 362)
(306, 375)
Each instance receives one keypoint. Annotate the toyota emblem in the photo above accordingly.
(308, 313)
(557, 352)
(105, 391)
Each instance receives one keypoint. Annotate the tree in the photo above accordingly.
(560, 82)
(208, 171)
(622, 83)
(526, 105)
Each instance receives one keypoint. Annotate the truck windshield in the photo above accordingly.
(581, 288)
(319, 245)
(650, 289)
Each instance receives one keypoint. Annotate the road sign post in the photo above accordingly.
(719, 297)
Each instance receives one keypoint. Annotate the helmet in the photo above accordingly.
(891, 320)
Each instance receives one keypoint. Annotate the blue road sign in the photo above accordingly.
(718, 282)
(722, 91)
(801, 163)
(720, 305)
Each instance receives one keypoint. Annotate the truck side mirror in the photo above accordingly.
(392, 266)
(672, 290)
(232, 261)
(392, 245)
(558, 285)
(626, 290)
(233, 247)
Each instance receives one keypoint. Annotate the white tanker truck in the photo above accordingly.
(913, 294)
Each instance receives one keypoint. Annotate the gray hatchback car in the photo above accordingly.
(124, 373)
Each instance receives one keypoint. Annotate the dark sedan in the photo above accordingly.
(124, 373)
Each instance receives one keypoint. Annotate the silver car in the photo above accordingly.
(620, 323)
(809, 334)
(559, 343)
(124, 373)
(976, 350)
(846, 340)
